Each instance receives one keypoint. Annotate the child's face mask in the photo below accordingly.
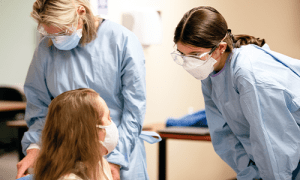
(111, 138)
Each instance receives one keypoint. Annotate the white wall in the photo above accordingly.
(17, 40)
(170, 90)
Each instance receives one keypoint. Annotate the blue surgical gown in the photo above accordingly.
(253, 113)
(113, 65)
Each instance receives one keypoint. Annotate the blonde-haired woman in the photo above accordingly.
(70, 139)
(80, 50)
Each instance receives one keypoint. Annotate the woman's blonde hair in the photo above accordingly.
(70, 141)
(63, 13)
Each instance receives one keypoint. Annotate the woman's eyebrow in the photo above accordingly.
(196, 52)
(180, 52)
(191, 53)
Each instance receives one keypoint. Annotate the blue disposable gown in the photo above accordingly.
(253, 113)
(113, 65)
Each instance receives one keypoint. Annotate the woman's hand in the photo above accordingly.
(115, 171)
(27, 162)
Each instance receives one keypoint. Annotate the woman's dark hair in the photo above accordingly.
(205, 27)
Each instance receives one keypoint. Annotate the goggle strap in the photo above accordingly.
(214, 48)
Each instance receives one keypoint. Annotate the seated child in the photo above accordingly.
(78, 132)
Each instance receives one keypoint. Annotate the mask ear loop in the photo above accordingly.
(101, 142)
(100, 126)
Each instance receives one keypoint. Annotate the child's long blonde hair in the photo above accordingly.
(63, 13)
(70, 141)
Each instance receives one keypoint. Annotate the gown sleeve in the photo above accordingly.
(38, 99)
(274, 132)
(225, 143)
(134, 94)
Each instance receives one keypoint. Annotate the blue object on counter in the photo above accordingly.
(28, 177)
(197, 119)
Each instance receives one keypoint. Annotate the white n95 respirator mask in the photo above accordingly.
(198, 68)
(111, 137)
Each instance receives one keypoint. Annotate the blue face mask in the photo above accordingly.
(67, 42)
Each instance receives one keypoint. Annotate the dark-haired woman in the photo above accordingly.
(252, 95)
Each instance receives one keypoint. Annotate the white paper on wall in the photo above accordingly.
(100, 7)
(145, 23)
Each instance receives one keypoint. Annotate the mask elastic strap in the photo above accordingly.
(101, 127)
(224, 37)
(79, 33)
(101, 142)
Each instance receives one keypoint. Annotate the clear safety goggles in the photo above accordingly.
(179, 58)
(67, 32)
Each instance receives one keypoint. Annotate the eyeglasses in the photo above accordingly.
(179, 58)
